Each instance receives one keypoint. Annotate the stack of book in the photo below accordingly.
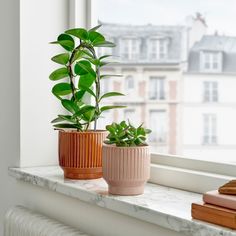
(218, 207)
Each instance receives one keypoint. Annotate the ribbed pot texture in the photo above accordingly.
(125, 169)
(80, 154)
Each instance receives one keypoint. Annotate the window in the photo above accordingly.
(211, 61)
(158, 49)
(210, 91)
(129, 83)
(156, 88)
(129, 48)
(158, 126)
(187, 62)
(129, 114)
(209, 129)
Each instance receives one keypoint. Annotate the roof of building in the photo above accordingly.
(143, 32)
(225, 44)
(215, 43)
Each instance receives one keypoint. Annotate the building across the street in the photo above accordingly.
(209, 100)
(152, 60)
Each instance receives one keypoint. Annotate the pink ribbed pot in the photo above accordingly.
(125, 169)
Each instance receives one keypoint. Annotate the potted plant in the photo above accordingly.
(80, 148)
(126, 159)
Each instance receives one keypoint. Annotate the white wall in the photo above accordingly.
(26, 103)
(9, 99)
(41, 22)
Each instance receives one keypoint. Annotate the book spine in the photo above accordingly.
(215, 216)
(219, 201)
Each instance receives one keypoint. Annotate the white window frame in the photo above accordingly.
(210, 91)
(126, 49)
(157, 141)
(160, 50)
(129, 79)
(170, 170)
(211, 57)
(159, 93)
(209, 129)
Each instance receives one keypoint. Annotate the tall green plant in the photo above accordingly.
(81, 75)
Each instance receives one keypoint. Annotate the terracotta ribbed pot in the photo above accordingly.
(125, 169)
(80, 154)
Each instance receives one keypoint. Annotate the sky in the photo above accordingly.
(220, 15)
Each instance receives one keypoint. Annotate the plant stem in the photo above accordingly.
(97, 83)
(97, 80)
(71, 75)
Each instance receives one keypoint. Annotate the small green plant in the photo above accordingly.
(80, 73)
(126, 135)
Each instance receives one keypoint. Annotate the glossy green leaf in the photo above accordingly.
(96, 37)
(84, 110)
(56, 120)
(67, 44)
(108, 76)
(95, 28)
(86, 81)
(89, 115)
(87, 89)
(95, 62)
(66, 118)
(105, 56)
(62, 59)
(79, 94)
(69, 105)
(66, 41)
(61, 89)
(111, 107)
(83, 67)
(59, 74)
(104, 44)
(111, 94)
(77, 55)
(66, 125)
(62, 118)
(78, 32)
(105, 63)
(148, 131)
(88, 53)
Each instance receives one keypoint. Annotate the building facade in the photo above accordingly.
(152, 60)
(209, 100)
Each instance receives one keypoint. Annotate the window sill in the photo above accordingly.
(166, 207)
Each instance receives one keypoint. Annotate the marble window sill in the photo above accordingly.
(166, 207)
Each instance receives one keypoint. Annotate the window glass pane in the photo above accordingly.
(183, 71)
(158, 126)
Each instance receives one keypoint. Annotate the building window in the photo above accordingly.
(211, 61)
(158, 125)
(129, 83)
(158, 49)
(129, 48)
(209, 129)
(129, 114)
(210, 93)
(157, 88)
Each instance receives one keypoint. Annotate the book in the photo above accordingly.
(223, 200)
(214, 214)
(228, 188)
